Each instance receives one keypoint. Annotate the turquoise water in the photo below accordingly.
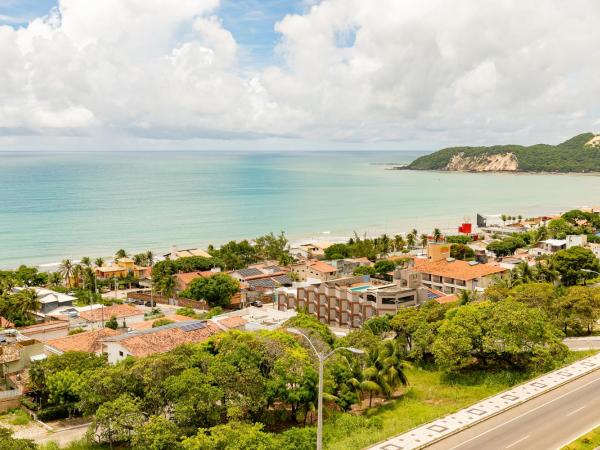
(57, 205)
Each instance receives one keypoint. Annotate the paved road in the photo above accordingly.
(545, 423)
(583, 343)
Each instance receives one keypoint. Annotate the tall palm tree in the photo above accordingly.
(86, 261)
(78, 274)
(99, 262)
(150, 258)
(385, 370)
(384, 242)
(121, 254)
(398, 242)
(504, 218)
(437, 234)
(411, 239)
(66, 270)
(424, 240)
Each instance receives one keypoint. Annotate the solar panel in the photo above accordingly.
(193, 326)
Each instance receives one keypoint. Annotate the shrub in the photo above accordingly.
(53, 413)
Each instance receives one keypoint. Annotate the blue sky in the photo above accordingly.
(250, 21)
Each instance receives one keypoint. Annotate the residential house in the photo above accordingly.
(346, 267)
(88, 341)
(125, 314)
(453, 276)
(310, 250)
(253, 318)
(348, 301)
(595, 248)
(45, 331)
(17, 352)
(315, 271)
(50, 299)
(150, 323)
(548, 246)
(157, 340)
(183, 280)
(121, 268)
(186, 253)
(576, 240)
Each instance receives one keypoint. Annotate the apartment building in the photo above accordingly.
(348, 301)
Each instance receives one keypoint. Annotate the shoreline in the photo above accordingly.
(446, 225)
(495, 172)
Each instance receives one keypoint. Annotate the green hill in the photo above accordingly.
(577, 154)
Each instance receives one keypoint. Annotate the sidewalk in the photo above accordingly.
(434, 431)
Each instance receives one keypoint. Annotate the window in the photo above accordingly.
(121, 353)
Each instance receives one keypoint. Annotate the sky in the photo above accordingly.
(296, 74)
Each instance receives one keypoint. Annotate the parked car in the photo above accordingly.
(256, 303)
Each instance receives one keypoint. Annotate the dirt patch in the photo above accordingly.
(502, 162)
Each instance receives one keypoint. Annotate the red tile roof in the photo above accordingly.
(88, 341)
(119, 311)
(166, 339)
(320, 266)
(148, 323)
(458, 269)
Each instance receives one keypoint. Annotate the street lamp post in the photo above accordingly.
(322, 358)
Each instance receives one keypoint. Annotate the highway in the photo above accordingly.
(544, 423)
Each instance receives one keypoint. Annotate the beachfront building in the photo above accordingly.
(452, 276)
(183, 280)
(348, 301)
(186, 253)
(157, 340)
(311, 250)
(121, 268)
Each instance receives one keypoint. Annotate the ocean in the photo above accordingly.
(57, 205)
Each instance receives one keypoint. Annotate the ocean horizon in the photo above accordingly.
(57, 205)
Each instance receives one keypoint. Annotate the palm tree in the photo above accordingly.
(398, 242)
(121, 254)
(385, 370)
(78, 274)
(28, 301)
(66, 270)
(520, 217)
(54, 278)
(384, 242)
(437, 235)
(424, 240)
(86, 261)
(149, 258)
(467, 296)
(524, 272)
(504, 218)
(99, 262)
(411, 239)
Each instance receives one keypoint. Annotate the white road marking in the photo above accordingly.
(525, 413)
(516, 442)
(576, 411)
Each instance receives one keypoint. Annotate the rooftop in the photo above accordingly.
(461, 270)
(321, 266)
(165, 338)
(88, 341)
(148, 323)
(118, 311)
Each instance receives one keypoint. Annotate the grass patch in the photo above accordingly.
(16, 417)
(430, 395)
(588, 441)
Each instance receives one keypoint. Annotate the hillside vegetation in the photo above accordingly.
(573, 155)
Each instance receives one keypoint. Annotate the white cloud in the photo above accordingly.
(431, 71)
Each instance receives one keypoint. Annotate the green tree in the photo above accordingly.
(232, 436)
(115, 420)
(274, 247)
(365, 270)
(99, 262)
(384, 266)
(216, 290)
(461, 251)
(121, 253)
(158, 433)
(337, 251)
(311, 326)
(63, 388)
(573, 263)
(112, 323)
(8, 442)
(506, 333)
(579, 309)
(385, 370)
